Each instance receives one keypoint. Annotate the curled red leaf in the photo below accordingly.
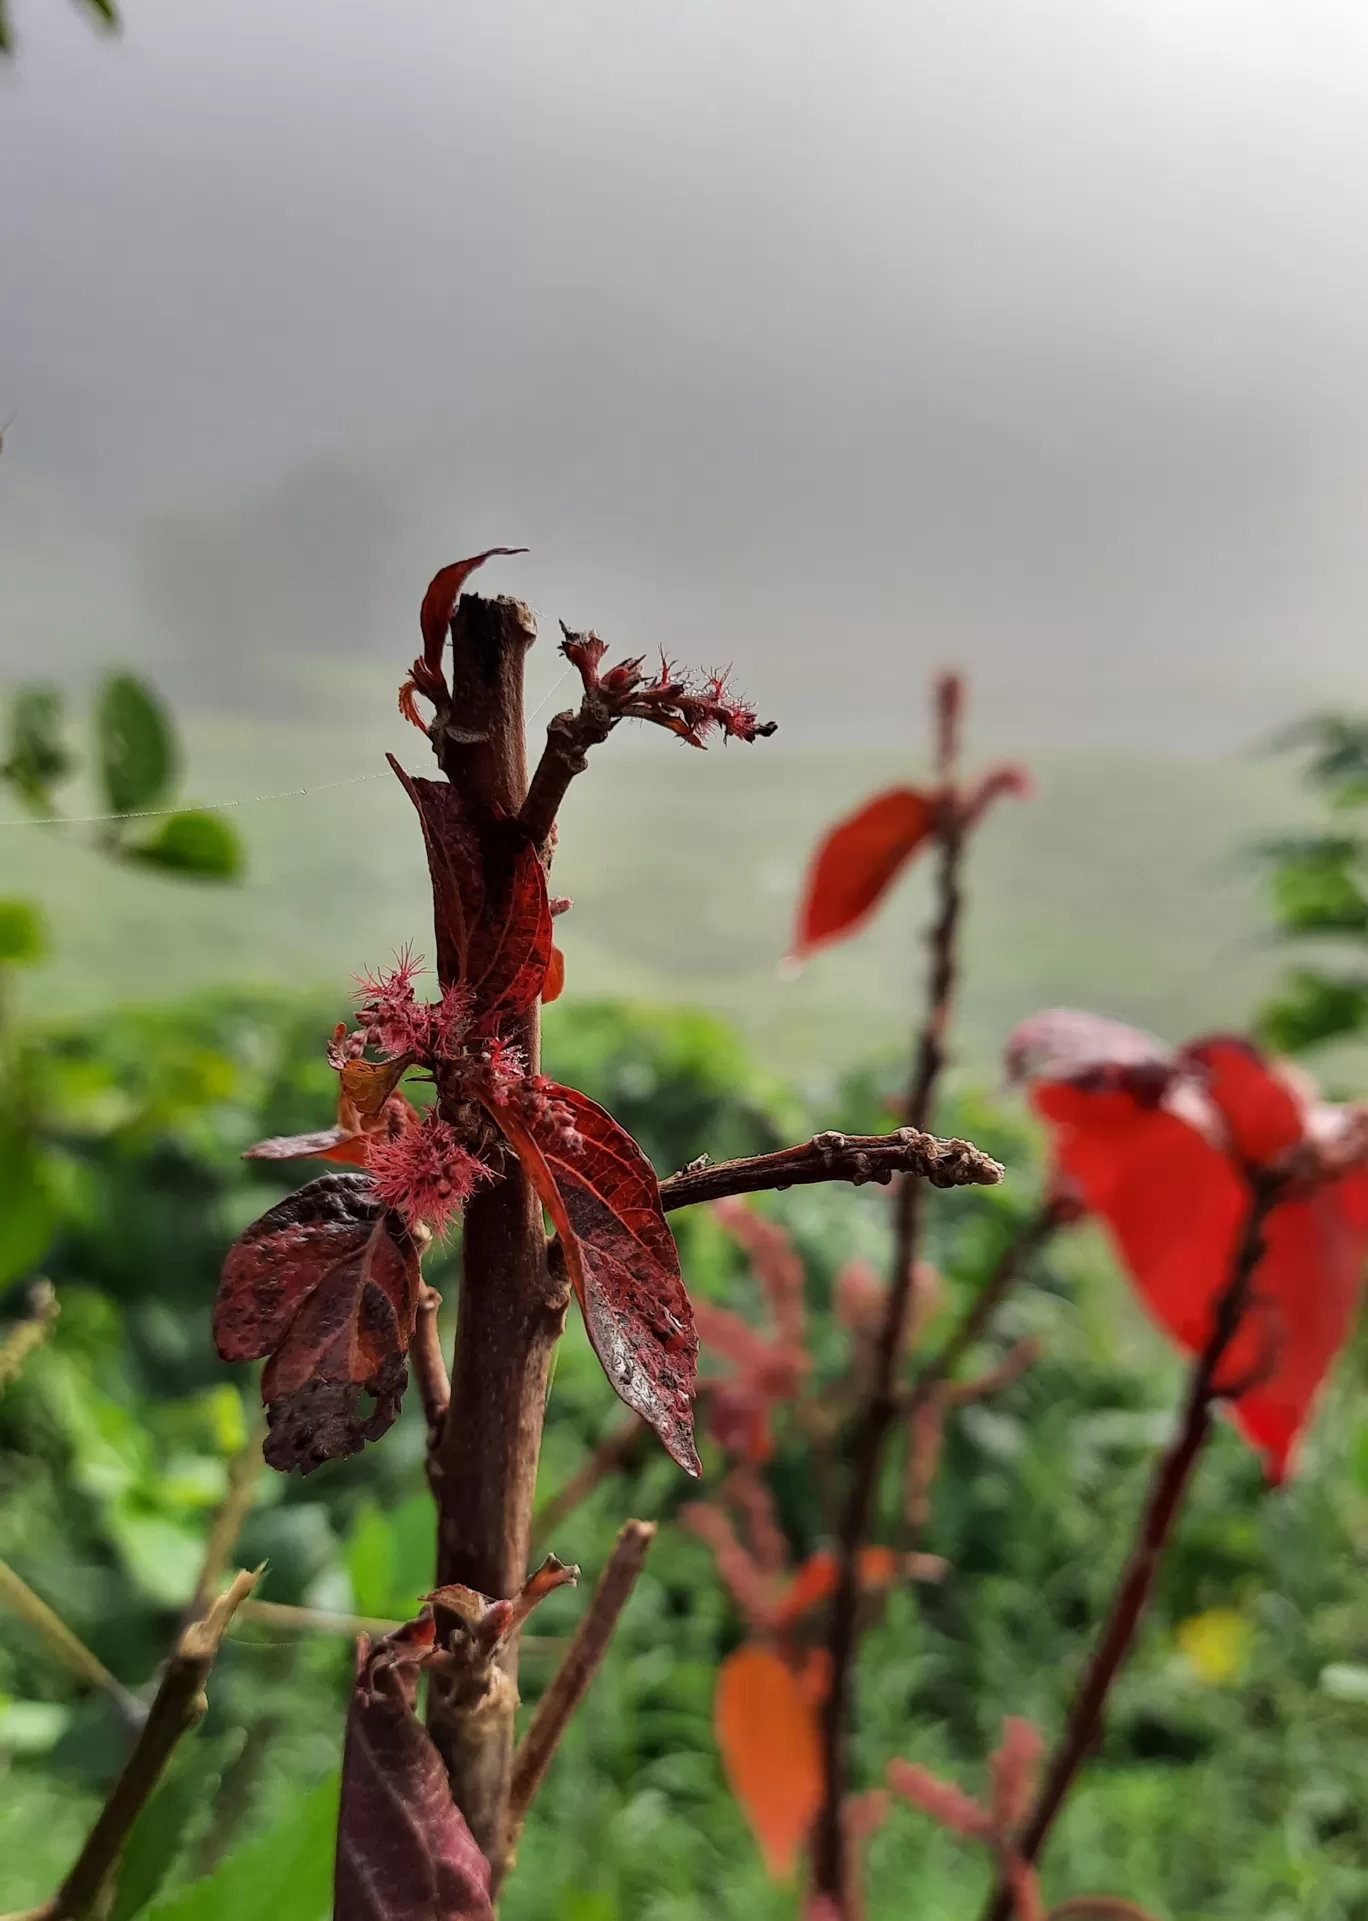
(326, 1284)
(404, 1852)
(857, 862)
(439, 602)
(604, 1200)
(493, 918)
(1262, 1112)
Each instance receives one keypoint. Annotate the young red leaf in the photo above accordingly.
(326, 1283)
(341, 1145)
(554, 985)
(439, 602)
(404, 1852)
(767, 1735)
(994, 785)
(493, 918)
(1261, 1111)
(942, 1800)
(604, 1200)
(1143, 1151)
(857, 862)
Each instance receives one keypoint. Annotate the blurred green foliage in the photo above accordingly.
(1245, 1797)
(1318, 883)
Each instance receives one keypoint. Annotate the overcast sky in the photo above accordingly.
(839, 340)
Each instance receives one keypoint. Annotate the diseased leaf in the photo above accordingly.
(404, 1851)
(858, 861)
(767, 1735)
(439, 602)
(493, 917)
(326, 1283)
(603, 1197)
(137, 744)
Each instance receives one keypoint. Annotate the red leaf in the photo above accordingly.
(1260, 1110)
(493, 919)
(857, 862)
(340, 1145)
(326, 1283)
(554, 985)
(404, 1852)
(816, 1581)
(439, 602)
(603, 1197)
(1174, 1205)
(767, 1734)
(942, 1800)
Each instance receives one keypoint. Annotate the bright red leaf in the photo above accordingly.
(767, 1736)
(326, 1284)
(404, 1852)
(604, 1200)
(1157, 1149)
(857, 862)
(493, 918)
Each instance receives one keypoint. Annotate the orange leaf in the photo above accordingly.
(767, 1734)
(857, 862)
(554, 985)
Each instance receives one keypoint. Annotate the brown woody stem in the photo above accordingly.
(614, 1452)
(178, 1706)
(831, 1868)
(244, 1472)
(512, 1308)
(569, 736)
(856, 1158)
(583, 1659)
(1167, 1489)
(429, 1367)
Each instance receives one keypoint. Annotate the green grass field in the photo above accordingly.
(1122, 885)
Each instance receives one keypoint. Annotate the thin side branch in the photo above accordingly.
(615, 1452)
(857, 1158)
(569, 736)
(429, 1368)
(1167, 1489)
(244, 1472)
(179, 1705)
(20, 1599)
(30, 1333)
(571, 1681)
(881, 1412)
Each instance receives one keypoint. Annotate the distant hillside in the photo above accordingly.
(1121, 886)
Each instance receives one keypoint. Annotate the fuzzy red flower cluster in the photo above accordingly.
(694, 707)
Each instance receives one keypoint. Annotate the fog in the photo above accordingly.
(840, 342)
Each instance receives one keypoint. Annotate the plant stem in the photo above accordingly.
(856, 1158)
(881, 1412)
(429, 1369)
(244, 1471)
(30, 1333)
(1167, 1489)
(178, 1706)
(583, 1658)
(616, 1451)
(512, 1308)
(19, 1597)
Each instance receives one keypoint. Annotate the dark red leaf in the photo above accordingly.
(1262, 1113)
(857, 862)
(326, 1283)
(490, 906)
(404, 1852)
(439, 602)
(603, 1197)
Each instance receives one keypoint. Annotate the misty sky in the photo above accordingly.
(841, 341)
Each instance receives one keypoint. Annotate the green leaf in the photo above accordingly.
(177, 1809)
(389, 1558)
(38, 755)
(28, 1206)
(137, 744)
(32, 1727)
(286, 1874)
(23, 934)
(1312, 1009)
(198, 844)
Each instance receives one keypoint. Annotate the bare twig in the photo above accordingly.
(582, 1660)
(429, 1368)
(20, 1599)
(30, 1333)
(880, 1415)
(856, 1158)
(280, 1614)
(179, 1704)
(615, 1452)
(1167, 1489)
(244, 1471)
